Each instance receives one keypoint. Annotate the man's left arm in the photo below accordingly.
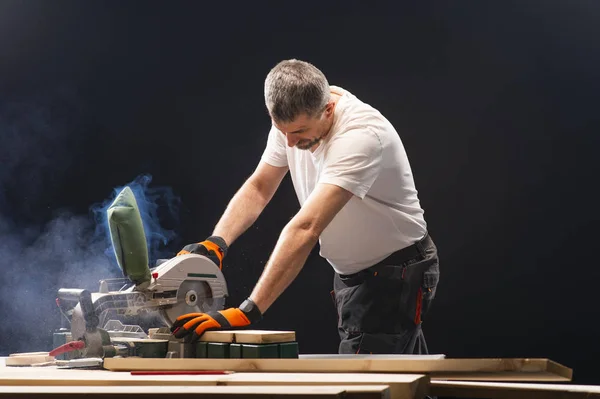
(296, 241)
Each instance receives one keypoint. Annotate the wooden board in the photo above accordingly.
(454, 369)
(369, 356)
(27, 360)
(217, 336)
(400, 385)
(188, 392)
(497, 390)
(29, 354)
(248, 336)
(52, 376)
(264, 336)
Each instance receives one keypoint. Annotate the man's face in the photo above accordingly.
(306, 132)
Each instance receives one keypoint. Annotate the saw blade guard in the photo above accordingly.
(190, 284)
(128, 237)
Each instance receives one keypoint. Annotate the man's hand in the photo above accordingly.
(197, 323)
(213, 248)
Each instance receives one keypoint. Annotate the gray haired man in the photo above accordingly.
(358, 200)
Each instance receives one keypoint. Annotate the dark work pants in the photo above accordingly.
(381, 309)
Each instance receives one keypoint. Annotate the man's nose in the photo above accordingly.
(291, 140)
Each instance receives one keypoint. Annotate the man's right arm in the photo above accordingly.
(249, 201)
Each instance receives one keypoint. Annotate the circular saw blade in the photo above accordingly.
(193, 296)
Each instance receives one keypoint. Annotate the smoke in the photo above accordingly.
(36, 262)
(41, 252)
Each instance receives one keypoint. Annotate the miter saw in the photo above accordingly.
(183, 284)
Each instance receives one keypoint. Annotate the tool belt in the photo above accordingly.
(394, 266)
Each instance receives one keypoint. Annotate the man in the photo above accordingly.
(358, 200)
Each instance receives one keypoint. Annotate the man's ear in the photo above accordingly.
(329, 108)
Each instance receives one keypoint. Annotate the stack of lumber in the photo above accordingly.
(253, 364)
(77, 383)
(309, 376)
(312, 376)
(247, 344)
(234, 344)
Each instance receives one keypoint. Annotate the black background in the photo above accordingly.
(496, 103)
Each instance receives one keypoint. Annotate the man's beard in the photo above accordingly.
(308, 144)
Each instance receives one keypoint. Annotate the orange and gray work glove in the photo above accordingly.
(197, 323)
(214, 248)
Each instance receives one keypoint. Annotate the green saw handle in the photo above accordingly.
(128, 237)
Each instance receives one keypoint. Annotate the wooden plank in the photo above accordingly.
(368, 356)
(51, 376)
(248, 336)
(29, 354)
(218, 336)
(27, 360)
(264, 336)
(400, 385)
(190, 392)
(499, 390)
(455, 369)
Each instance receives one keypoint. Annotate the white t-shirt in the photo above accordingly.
(364, 155)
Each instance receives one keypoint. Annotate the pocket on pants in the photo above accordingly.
(346, 308)
(373, 306)
(431, 278)
(420, 280)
